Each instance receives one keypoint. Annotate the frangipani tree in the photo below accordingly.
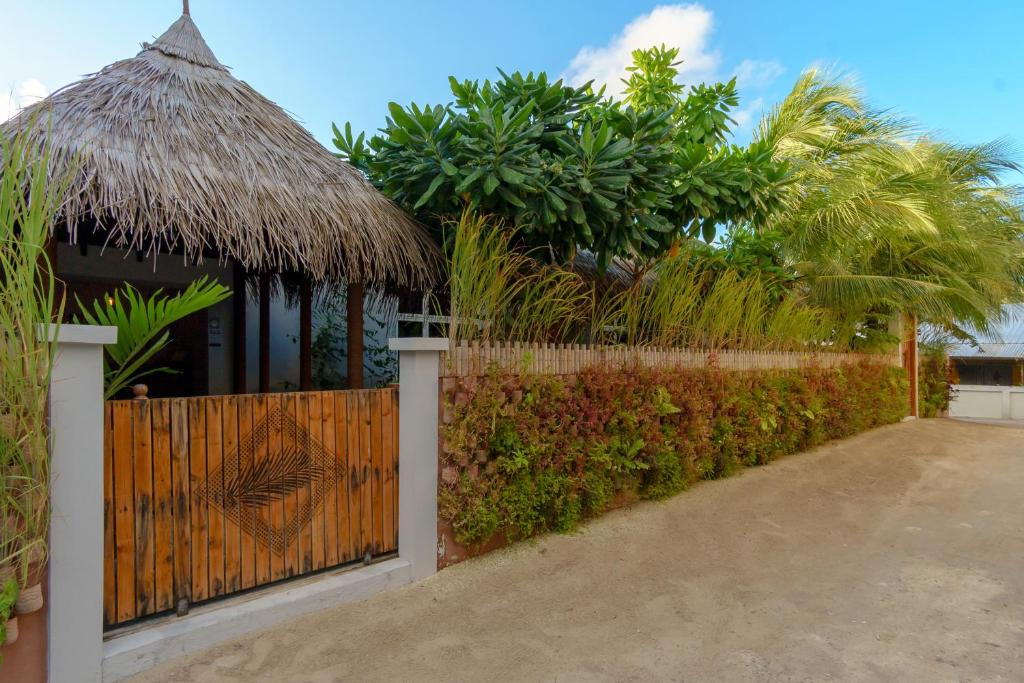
(566, 168)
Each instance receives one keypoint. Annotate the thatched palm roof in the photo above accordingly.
(171, 151)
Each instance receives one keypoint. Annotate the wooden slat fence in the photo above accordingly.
(204, 497)
(568, 359)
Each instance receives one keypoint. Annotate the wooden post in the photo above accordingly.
(238, 326)
(306, 334)
(47, 265)
(910, 361)
(264, 333)
(354, 320)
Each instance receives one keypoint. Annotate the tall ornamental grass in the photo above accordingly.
(500, 293)
(29, 313)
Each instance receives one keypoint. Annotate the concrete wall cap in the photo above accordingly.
(80, 334)
(418, 344)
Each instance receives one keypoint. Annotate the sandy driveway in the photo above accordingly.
(896, 555)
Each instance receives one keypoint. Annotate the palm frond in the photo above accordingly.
(258, 484)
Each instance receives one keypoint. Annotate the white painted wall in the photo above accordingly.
(419, 410)
(1017, 405)
(987, 402)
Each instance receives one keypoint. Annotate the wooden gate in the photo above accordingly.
(204, 497)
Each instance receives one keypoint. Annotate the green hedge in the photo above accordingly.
(526, 454)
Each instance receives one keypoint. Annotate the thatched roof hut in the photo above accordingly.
(173, 153)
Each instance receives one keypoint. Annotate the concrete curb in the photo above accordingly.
(137, 651)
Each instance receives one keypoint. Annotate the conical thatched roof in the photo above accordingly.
(171, 151)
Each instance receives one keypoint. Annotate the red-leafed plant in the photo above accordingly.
(530, 453)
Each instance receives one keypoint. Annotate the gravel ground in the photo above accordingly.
(894, 555)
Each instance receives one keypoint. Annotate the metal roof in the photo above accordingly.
(1006, 341)
(988, 351)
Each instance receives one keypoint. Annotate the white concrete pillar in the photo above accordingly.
(75, 649)
(418, 416)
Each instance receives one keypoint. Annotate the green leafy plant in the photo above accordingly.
(935, 390)
(142, 326)
(8, 596)
(563, 167)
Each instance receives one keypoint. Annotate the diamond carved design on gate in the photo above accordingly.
(244, 488)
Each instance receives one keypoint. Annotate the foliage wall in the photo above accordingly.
(531, 453)
(934, 390)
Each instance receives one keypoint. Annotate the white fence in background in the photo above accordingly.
(987, 402)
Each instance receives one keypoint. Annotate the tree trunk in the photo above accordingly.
(306, 335)
(264, 333)
(354, 318)
(910, 361)
(238, 327)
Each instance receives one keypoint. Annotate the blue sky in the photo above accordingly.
(954, 67)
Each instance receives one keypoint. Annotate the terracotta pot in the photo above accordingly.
(12, 631)
(36, 564)
(29, 599)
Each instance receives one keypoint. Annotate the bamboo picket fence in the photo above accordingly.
(473, 359)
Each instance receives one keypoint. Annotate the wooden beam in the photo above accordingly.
(306, 334)
(264, 333)
(238, 326)
(354, 320)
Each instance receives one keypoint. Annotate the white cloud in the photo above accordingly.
(745, 115)
(757, 74)
(26, 93)
(687, 27)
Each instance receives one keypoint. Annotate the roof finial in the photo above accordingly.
(184, 7)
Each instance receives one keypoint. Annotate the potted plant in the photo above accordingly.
(8, 620)
(30, 595)
(30, 311)
(11, 526)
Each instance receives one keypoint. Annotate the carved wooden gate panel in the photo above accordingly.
(205, 497)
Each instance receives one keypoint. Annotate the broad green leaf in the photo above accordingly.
(434, 184)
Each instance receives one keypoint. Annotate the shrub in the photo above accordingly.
(540, 453)
(934, 388)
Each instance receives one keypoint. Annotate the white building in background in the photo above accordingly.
(989, 377)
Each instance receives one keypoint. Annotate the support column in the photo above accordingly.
(354, 321)
(238, 305)
(264, 333)
(306, 334)
(910, 359)
(418, 417)
(75, 649)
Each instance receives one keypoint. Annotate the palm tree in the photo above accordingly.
(879, 219)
